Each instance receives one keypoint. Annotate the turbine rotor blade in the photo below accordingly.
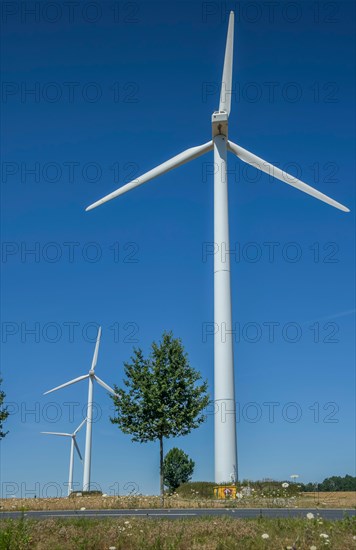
(174, 162)
(99, 381)
(67, 383)
(279, 174)
(226, 84)
(77, 448)
(95, 356)
(80, 426)
(57, 433)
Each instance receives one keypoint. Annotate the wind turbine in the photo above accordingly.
(73, 444)
(91, 376)
(224, 389)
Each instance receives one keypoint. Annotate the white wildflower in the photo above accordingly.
(285, 485)
(265, 536)
(310, 515)
(82, 509)
(324, 536)
(313, 547)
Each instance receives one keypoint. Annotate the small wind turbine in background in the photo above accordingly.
(224, 386)
(91, 376)
(73, 444)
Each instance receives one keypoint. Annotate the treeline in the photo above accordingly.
(334, 483)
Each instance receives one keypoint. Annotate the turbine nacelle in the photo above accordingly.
(219, 123)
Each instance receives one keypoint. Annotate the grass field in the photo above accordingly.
(302, 500)
(186, 534)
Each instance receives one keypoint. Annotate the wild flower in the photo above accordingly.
(313, 547)
(285, 485)
(324, 536)
(310, 515)
(265, 536)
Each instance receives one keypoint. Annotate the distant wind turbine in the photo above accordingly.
(91, 376)
(224, 388)
(73, 444)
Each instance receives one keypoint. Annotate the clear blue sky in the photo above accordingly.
(116, 93)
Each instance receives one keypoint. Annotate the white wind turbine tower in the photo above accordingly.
(91, 376)
(224, 392)
(73, 444)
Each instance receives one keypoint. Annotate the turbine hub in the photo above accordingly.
(91, 373)
(219, 122)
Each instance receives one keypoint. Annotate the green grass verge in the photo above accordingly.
(209, 533)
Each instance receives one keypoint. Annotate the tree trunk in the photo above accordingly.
(161, 486)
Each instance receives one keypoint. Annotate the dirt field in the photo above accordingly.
(341, 499)
(303, 500)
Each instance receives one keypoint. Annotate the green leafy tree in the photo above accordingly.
(178, 468)
(162, 398)
(4, 413)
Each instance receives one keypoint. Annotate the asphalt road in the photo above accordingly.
(331, 514)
